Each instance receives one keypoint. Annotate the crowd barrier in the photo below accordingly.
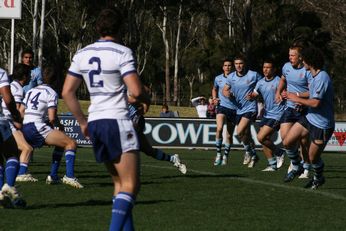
(196, 133)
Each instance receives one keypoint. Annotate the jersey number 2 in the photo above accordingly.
(95, 72)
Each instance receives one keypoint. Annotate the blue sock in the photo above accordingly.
(11, 170)
(272, 162)
(306, 166)
(23, 168)
(247, 148)
(1, 177)
(218, 143)
(121, 210)
(318, 168)
(160, 155)
(128, 226)
(227, 149)
(70, 156)
(56, 159)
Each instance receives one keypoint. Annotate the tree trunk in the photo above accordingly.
(176, 61)
(40, 48)
(34, 30)
(165, 40)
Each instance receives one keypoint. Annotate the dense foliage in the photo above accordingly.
(180, 44)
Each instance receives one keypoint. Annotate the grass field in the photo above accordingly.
(230, 197)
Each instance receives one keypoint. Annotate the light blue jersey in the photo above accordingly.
(267, 89)
(241, 86)
(321, 88)
(297, 80)
(36, 79)
(219, 83)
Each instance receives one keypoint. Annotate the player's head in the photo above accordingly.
(294, 54)
(227, 66)
(239, 63)
(313, 58)
(27, 56)
(49, 75)
(268, 68)
(108, 22)
(21, 72)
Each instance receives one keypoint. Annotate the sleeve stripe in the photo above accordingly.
(75, 75)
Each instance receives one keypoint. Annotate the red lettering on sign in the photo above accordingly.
(341, 137)
(6, 3)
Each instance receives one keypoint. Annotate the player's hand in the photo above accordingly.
(278, 98)
(84, 130)
(17, 125)
(284, 94)
(216, 101)
(249, 96)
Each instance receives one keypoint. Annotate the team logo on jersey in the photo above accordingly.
(340, 136)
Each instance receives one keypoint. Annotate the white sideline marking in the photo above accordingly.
(252, 181)
(246, 180)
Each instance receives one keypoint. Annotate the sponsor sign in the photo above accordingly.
(11, 9)
(194, 133)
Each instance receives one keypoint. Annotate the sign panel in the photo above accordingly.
(195, 133)
(11, 9)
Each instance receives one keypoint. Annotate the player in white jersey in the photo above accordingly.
(9, 196)
(109, 71)
(39, 103)
(20, 77)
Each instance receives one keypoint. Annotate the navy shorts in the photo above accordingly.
(249, 115)
(5, 131)
(139, 123)
(35, 133)
(274, 124)
(111, 138)
(229, 113)
(292, 115)
(316, 133)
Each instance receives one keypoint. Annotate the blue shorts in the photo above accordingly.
(274, 124)
(316, 133)
(111, 138)
(249, 115)
(35, 133)
(139, 123)
(229, 113)
(292, 115)
(5, 131)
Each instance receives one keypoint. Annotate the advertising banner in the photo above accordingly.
(11, 9)
(194, 133)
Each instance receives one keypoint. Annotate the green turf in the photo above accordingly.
(230, 197)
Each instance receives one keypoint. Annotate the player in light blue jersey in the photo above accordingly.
(109, 71)
(136, 112)
(295, 78)
(319, 122)
(225, 114)
(9, 196)
(36, 75)
(266, 87)
(239, 84)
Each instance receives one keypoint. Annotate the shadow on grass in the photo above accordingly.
(89, 203)
(203, 176)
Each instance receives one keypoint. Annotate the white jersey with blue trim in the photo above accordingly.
(103, 65)
(37, 101)
(18, 94)
(3, 83)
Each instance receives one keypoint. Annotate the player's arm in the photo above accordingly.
(214, 91)
(252, 95)
(136, 90)
(52, 116)
(69, 95)
(281, 87)
(303, 101)
(226, 91)
(11, 105)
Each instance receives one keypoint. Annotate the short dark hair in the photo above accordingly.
(240, 57)
(165, 106)
(269, 60)
(49, 75)
(21, 71)
(27, 51)
(313, 57)
(108, 22)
